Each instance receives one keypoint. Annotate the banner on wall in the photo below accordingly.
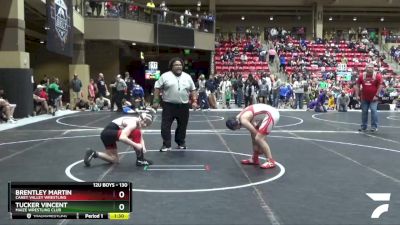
(59, 20)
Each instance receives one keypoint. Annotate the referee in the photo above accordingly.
(176, 87)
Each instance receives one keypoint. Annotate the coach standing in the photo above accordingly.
(371, 83)
(177, 86)
(76, 87)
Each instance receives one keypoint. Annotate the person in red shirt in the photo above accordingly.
(40, 97)
(127, 130)
(369, 84)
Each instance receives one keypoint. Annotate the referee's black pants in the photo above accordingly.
(172, 111)
(118, 99)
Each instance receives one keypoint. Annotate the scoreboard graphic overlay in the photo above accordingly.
(61, 200)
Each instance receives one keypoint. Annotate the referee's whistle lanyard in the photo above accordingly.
(178, 78)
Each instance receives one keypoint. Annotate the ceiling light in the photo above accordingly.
(242, 17)
(271, 18)
(330, 18)
(41, 42)
(199, 3)
(382, 19)
(133, 43)
(355, 18)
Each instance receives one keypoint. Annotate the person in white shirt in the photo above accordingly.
(298, 89)
(177, 87)
(225, 88)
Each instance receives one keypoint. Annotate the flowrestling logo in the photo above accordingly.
(62, 20)
(379, 197)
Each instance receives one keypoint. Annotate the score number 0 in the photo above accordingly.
(121, 206)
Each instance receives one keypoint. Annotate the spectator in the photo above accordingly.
(271, 54)
(88, 8)
(149, 10)
(82, 105)
(226, 92)
(92, 105)
(93, 6)
(187, 14)
(250, 89)
(243, 57)
(138, 97)
(164, 9)
(101, 87)
(298, 89)
(239, 91)
(76, 87)
(92, 89)
(203, 99)
(371, 84)
(55, 95)
(101, 103)
(6, 109)
(40, 100)
(45, 81)
(263, 91)
(275, 92)
(342, 102)
(130, 84)
(282, 61)
(211, 87)
(120, 89)
(133, 10)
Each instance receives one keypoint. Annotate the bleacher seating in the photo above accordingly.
(252, 65)
(321, 49)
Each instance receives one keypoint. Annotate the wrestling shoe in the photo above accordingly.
(143, 162)
(249, 162)
(268, 164)
(252, 161)
(89, 155)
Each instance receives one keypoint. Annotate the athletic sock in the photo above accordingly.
(255, 157)
(139, 155)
